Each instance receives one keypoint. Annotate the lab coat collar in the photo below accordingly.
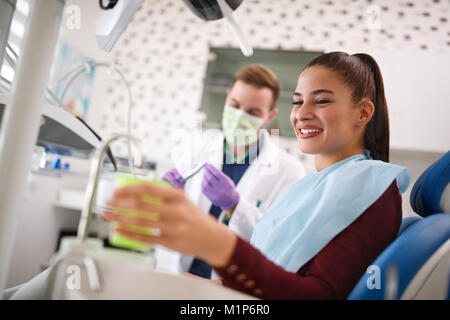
(250, 155)
(268, 152)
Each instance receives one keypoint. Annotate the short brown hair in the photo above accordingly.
(260, 77)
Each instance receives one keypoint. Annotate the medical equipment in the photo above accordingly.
(7, 8)
(101, 270)
(58, 129)
(22, 116)
(115, 20)
(101, 276)
(92, 185)
(421, 251)
(192, 172)
(234, 28)
(87, 68)
(62, 132)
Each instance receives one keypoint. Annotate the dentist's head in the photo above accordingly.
(250, 104)
(339, 108)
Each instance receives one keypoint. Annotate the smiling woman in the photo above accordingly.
(321, 233)
(341, 121)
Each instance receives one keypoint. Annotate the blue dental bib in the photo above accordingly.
(310, 213)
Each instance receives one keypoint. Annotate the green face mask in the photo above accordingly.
(240, 128)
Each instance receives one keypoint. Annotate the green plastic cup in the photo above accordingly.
(121, 241)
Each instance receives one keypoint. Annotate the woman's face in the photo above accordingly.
(324, 117)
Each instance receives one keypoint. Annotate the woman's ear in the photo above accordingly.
(366, 111)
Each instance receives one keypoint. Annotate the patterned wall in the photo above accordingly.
(164, 52)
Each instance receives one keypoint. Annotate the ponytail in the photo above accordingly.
(376, 138)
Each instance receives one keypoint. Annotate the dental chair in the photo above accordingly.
(417, 264)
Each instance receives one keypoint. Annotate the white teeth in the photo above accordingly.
(306, 131)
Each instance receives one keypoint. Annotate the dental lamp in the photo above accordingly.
(118, 13)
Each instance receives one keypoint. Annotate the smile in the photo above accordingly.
(307, 133)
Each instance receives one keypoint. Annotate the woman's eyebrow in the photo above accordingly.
(318, 91)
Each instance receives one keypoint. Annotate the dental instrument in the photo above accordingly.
(192, 172)
(118, 15)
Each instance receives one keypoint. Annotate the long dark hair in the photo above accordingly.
(361, 73)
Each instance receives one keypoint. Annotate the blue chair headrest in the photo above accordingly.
(427, 194)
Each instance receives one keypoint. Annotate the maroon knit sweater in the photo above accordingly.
(332, 272)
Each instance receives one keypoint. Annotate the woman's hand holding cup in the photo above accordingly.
(181, 225)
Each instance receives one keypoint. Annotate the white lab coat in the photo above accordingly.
(271, 172)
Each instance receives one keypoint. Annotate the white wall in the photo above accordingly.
(415, 84)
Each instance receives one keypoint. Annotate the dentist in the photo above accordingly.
(245, 169)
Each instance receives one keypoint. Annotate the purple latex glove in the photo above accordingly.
(219, 188)
(173, 176)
